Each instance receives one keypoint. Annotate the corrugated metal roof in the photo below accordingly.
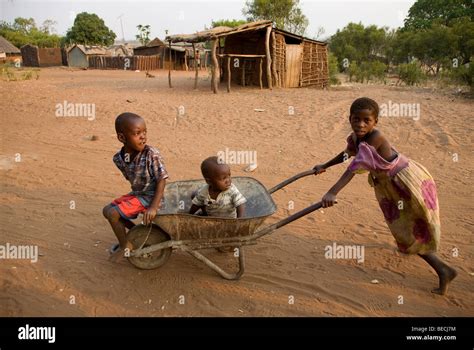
(90, 50)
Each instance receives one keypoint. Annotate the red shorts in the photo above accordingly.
(129, 206)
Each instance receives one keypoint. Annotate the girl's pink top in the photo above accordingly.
(368, 159)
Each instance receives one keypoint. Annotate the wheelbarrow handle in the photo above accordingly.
(290, 180)
(286, 221)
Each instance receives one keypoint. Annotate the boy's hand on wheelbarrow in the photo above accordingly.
(319, 169)
(329, 199)
(149, 215)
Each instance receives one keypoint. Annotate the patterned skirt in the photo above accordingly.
(409, 203)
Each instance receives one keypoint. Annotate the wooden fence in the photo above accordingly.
(143, 63)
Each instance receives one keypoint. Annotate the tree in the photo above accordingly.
(232, 23)
(24, 25)
(356, 43)
(463, 28)
(48, 26)
(24, 31)
(423, 12)
(285, 13)
(90, 29)
(400, 46)
(143, 34)
(435, 46)
(319, 33)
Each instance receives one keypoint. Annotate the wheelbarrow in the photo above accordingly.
(174, 228)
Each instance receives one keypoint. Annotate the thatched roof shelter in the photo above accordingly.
(8, 48)
(291, 60)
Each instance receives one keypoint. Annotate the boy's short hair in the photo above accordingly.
(123, 119)
(365, 103)
(208, 165)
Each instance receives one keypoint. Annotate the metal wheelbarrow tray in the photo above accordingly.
(174, 228)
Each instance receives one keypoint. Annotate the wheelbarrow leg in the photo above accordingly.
(213, 266)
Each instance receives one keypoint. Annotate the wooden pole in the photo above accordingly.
(221, 67)
(274, 70)
(196, 69)
(260, 70)
(269, 59)
(215, 66)
(169, 68)
(243, 72)
(186, 59)
(228, 73)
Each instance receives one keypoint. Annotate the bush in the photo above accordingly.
(464, 74)
(377, 70)
(333, 70)
(10, 73)
(354, 71)
(367, 71)
(411, 73)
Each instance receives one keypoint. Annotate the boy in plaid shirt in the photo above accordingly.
(142, 165)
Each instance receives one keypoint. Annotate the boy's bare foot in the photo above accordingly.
(116, 253)
(446, 275)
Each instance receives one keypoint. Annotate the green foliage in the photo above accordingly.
(90, 29)
(7, 73)
(232, 23)
(377, 71)
(423, 13)
(333, 70)
(463, 74)
(357, 43)
(143, 35)
(24, 31)
(463, 29)
(10, 73)
(434, 46)
(354, 71)
(286, 14)
(367, 71)
(411, 73)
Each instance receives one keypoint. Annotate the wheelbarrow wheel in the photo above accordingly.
(153, 260)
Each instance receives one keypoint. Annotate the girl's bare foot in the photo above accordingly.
(445, 272)
(446, 275)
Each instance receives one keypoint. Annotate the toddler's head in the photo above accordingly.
(216, 174)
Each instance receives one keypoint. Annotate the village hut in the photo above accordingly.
(77, 55)
(259, 54)
(33, 56)
(150, 49)
(8, 51)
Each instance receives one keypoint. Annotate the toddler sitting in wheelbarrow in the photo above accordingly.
(219, 197)
(143, 167)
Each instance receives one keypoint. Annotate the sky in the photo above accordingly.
(179, 16)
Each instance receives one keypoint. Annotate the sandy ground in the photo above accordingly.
(287, 273)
